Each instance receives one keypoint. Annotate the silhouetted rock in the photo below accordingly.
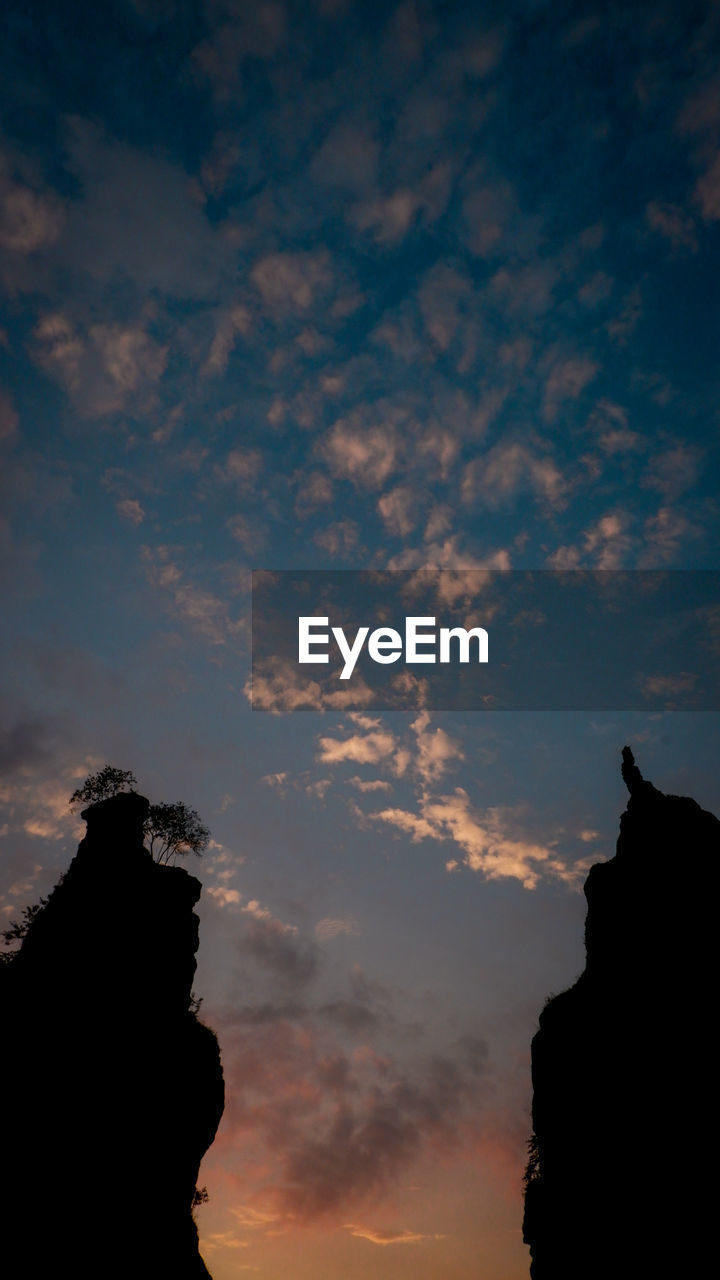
(623, 1104)
(113, 1089)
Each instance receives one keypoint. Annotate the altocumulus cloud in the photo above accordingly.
(482, 839)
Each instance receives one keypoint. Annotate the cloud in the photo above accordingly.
(274, 779)
(223, 896)
(673, 223)
(334, 926)
(596, 290)
(669, 686)
(246, 531)
(274, 946)
(30, 220)
(624, 323)
(436, 750)
(385, 1237)
(103, 369)
(331, 1118)
(608, 541)
(485, 839)
(230, 325)
(225, 1240)
(9, 420)
(314, 489)
(525, 291)
(707, 191)
(566, 381)
(365, 452)
(356, 1016)
(700, 113)
(206, 614)
(609, 423)
(136, 222)
(339, 539)
(317, 790)
(365, 1144)
(130, 510)
(417, 827)
(279, 688)
(23, 744)
(606, 544)
(398, 509)
(130, 356)
(491, 842)
(444, 299)
(336, 1129)
(673, 470)
(439, 448)
(508, 470)
(487, 212)
(450, 559)
(290, 283)
(366, 748)
(388, 217)
(242, 466)
(347, 158)
(34, 804)
(373, 746)
(258, 31)
(663, 536)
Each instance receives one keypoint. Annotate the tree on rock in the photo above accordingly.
(102, 785)
(17, 930)
(172, 829)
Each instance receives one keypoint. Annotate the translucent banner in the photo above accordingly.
(486, 640)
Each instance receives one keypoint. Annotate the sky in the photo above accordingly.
(330, 285)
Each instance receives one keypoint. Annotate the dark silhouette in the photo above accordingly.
(112, 1089)
(618, 1180)
(107, 782)
(169, 830)
(172, 830)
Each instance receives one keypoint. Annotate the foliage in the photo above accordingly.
(200, 1196)
(18, 928)
(102, 785)
(532, 1169)
(172, 829)
(169, 830)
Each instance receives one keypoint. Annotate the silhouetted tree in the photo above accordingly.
(102, 785)
(18, 928)
(173, 829)
(170, 830)
(532, 1168)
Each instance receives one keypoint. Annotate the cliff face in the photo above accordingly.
(623, 1093)
(113, 1090)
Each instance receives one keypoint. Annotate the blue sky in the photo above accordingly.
(331, 285)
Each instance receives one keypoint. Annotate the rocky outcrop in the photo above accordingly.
(113, 1089)
(622, 1068)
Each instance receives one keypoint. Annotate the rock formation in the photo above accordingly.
(112, 1088)
(623, 1112)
